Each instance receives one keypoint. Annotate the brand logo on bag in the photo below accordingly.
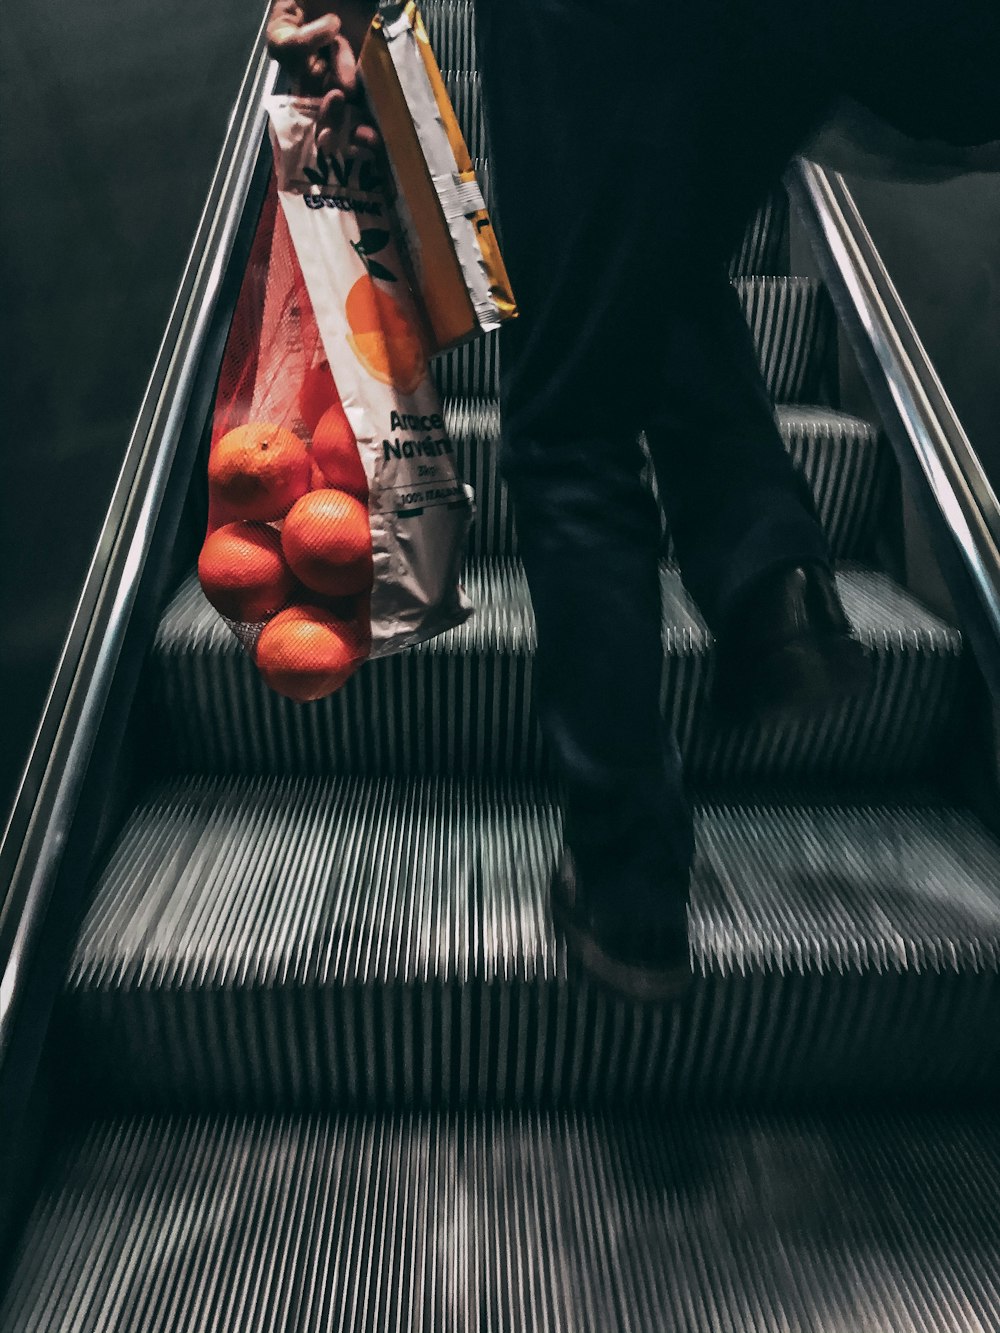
(333, 172)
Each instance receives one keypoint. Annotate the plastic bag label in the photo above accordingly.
(420, 511)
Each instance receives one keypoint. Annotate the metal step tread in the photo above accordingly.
(313, 943)
(302, 881)
(844, 458)
(463, 702)
(546, 1222)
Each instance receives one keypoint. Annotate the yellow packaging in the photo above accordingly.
(458, 270)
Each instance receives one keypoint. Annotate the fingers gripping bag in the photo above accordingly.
(337, 523)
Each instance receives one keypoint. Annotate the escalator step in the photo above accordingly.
(452, 31)
(527, 1222)
(846, 461)
(462, 703)
(312, 943)
(791, 319)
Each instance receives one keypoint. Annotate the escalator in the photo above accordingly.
(317, 1063)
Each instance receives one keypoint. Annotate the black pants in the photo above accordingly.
(630, 144)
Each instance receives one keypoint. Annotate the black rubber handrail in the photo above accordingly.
(51, 782)
(929, 441)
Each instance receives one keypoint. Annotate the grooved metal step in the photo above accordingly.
(561, 1224)
(844, 459)
(312, 943)
(462, 702)
(791, 319)
(452, 31)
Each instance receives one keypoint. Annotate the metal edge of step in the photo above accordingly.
(886, 617)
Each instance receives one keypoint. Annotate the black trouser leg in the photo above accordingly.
(735, 503)
(614, 222)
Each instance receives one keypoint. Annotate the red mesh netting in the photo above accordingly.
(287, 558)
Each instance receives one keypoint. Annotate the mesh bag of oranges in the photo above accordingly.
(337, 522)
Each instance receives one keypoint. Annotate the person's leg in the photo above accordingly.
(743, 520)
(735, 503)
(600, 117)
(588, 531)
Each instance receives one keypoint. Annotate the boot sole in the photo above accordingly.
(799, 678)
(631, 981)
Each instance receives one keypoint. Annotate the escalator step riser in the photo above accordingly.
(463, 703)
(305, 944)
(847, 464)
(791, 319)
(529, 1044)
(476, 1224)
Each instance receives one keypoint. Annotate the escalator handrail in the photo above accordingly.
(51, 781)
(918, 416)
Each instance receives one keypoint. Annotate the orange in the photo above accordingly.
(306, 653)
(382, 338)
(336, 451)
(243, 572)
(258, 471)
(328, 543)
(318, 392)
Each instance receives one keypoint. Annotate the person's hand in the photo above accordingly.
(318, 44)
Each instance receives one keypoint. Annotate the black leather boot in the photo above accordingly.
(787, 647)
(637, 950)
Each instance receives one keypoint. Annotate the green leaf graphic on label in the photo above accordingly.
(378, 270)
(314, 176)
(342, 171)
(373, 239)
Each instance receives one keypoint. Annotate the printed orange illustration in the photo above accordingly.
(335, 451)
(243, 572)
(389, 347)
(258, 471)
(328, 544)
(306, 653)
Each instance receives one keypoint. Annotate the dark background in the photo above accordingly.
(941, 244)
(111, 117)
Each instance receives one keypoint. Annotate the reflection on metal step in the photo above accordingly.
(462, 703)
(310, 943)
(565, 1224)
(791, 320)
